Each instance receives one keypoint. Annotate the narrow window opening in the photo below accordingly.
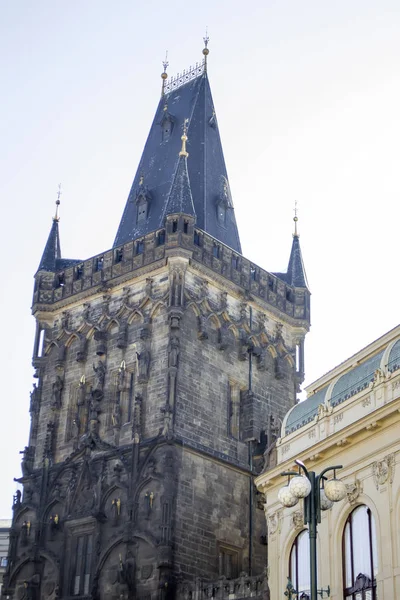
(79, 272)
(235, 262)
(161, 238)
(174, 226)
(196, 238)
(185, 226)
(270, 284)
(253, 273)
(119, 255)
(61, 279)
(289, 295)
(140, 247)
(216, 250)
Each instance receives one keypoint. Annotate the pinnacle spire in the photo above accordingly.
(52, 249)
(180, 198)
(206, 51)
(296, 274)
(164, 74)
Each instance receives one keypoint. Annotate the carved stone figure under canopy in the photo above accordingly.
(100, 372)
(58, 386)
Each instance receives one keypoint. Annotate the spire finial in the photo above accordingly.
(164, 74)
(295, 219)
(56, 217)
(184, 138)
(206, 51)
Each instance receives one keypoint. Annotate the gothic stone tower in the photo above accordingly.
(163, 367)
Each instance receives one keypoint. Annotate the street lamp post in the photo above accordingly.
(319, 494)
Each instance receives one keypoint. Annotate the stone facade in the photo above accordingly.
(351, 418)
(159, 380)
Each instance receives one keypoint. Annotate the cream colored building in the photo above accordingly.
(351, 417)
(5, 525)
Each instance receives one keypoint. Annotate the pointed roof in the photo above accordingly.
(296, 273)
(162, 171)
(180, 199)
(51, 258)
(52, 249)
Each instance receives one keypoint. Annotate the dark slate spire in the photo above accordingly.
(296, 273)
(180, 198)
(52, 250)
(160, 168)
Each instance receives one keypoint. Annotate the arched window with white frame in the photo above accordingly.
(299, 564)
(360, 562)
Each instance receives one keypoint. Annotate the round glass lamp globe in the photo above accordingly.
(335, 490)
(286, 497)
(300, 486)
(325, 503)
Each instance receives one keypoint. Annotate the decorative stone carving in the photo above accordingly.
(149, 501)
(173, 351)
(143, 365)
(100, 374)
(27, 460)
(122, 334)
(274, 522)
(383, 470)
(81, 353)
(116, 510)
(202, 328)
(35, 400)
(353, 491)
(57, 389)
(297, 519)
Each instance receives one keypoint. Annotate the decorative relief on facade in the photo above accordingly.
(338, 418)
(275, 522)
(383, 470)
(366, 402)
(353, 491)
(298, 519)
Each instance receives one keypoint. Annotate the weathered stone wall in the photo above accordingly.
(153, 396)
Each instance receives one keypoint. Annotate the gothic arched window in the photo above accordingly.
(299, 564)
(360, 563)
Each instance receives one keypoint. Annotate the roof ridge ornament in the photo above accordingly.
(184, 139)
(206, 51)
(295, 219)
(58, 202)
(164, 74)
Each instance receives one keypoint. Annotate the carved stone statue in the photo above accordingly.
(58, 386)
(100, 372)
(116, 510)
(26, 463)
(121, 376)
(144, 364)
(173, 352)
(126, 572)
(34, 404)
(17, 499)
(81, 393)
(116, 415)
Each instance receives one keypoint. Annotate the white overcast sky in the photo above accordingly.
(307, 94)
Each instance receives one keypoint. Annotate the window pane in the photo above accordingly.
(374, 546)
(347, 558)
(361, 542)
(303, 555)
